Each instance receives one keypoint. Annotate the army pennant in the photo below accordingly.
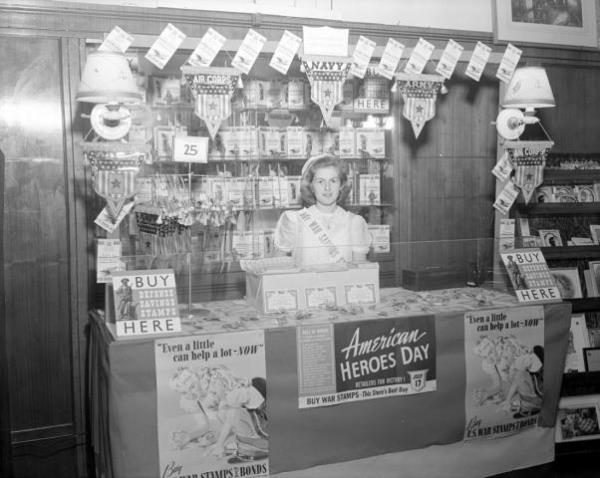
(326, 76)
(115, 167)
(212, 87)
(419, 93)
(529, 160)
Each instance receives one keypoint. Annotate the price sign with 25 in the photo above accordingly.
(192, 149)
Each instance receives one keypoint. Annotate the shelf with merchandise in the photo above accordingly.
(585, 304)
(571, 252)
(272, 159)
(558, 208)
(268, 129)
(570, 176)
(580, 383)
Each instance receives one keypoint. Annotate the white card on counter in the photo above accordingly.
(360, 294)
(277, 300)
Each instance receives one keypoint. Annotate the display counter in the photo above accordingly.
(421, 434)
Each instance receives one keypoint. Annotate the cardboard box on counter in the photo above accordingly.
(272, 292)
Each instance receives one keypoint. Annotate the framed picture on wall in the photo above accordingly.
(550, 237)
(591, 356)
(577, 418)
(567, 281)
(571, 22)
(595, 231)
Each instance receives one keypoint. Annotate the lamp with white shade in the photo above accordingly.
(107, 81)
(528, 90)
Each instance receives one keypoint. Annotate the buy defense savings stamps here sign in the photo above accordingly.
(347, 362)
(530, 276)
(145, 302)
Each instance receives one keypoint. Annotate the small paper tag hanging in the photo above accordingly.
(419, 93)
(503, 168)
(248, 52)
(326, 76)
(165, 46)
(285, 52)
(212, 88)
(479, 58)
(509, 63)
(529, 160)
(117, 40)
(207, 49)
(449, 59)
(390, 58)
(419, 57)
(362, 56)
(506, 198)
(115, 167)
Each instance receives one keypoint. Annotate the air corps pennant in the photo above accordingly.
(529, 160)
(212, 87)
(115, 167)
(326, 75)
(419, 93)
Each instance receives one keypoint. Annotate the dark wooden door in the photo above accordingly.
(43, 384)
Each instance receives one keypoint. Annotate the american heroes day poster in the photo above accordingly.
(504, 357)
(212, 406)
(364, 360)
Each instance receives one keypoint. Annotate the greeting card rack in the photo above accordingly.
(202, 216)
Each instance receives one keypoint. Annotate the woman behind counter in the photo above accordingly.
(323, 233)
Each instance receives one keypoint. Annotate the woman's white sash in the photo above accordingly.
(316, 227)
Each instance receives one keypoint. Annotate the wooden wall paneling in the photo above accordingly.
(5, 459)
(403, 163)
(447, 171)
(37, 248)
(81, 240)
(574, 123)
(55, 457)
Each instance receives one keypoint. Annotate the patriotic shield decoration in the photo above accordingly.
(418, 379)
(212, 87)
(419, 93)
(114, 170)
(326, 76)
(529, 159)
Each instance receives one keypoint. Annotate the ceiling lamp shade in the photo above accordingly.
(107, 78)
(529, 89)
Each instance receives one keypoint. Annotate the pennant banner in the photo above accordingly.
(326, 76)
(529, 160)
(115, 167)
(212, 87)
(419, 93)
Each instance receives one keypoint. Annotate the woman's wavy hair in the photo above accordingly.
(323, 161)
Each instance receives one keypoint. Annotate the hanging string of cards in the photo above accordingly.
(326, 63)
